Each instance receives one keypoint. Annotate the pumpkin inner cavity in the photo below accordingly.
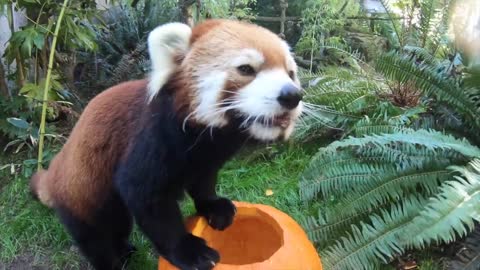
(254, 236)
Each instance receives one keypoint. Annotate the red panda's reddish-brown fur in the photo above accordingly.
(80, 174)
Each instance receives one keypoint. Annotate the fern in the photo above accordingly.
(334, 99)
(427, 14)
(340, 179)
(421, 54)
(398, 178)
(429, 81)
(398, 40)
(429, 139)
(440, 25)
(450, 214)
(371, 241)
(390, 189)
(331, 224)
(365, 175)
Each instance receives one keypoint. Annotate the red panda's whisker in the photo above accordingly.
(215, 106)
(319, 118)
(230, 92)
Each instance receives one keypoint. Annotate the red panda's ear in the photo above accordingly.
(166, 44)
(203, 28)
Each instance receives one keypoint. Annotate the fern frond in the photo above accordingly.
(421, 54)
(364, 162)
(370, 242)
(429, 81)
(322, 230)
(441, 25)
(368, 126)
(340, 179)
(427, 13)
(339, 88)
(354, 57)
(408, 156)
(386, 119)
(429, 139)
(398, 41)
(330, 225)
(452, 213)
(391, 188)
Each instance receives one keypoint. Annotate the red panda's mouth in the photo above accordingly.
(282, 120)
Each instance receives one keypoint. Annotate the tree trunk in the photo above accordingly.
(187, 12)
(3, 82)
(283, 16)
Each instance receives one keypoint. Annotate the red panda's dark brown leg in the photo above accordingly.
(104, 239)
(94, 242)
(217, 210)
(158, 216)
(121, 234)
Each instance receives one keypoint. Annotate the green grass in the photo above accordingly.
(31, 230)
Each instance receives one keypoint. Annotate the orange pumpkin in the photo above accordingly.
(260, 237)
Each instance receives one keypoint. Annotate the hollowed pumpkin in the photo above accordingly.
(260, 237)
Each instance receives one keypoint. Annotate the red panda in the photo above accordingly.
(138, 146)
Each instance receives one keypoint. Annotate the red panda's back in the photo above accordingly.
(80, 176)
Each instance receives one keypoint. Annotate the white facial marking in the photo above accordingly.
(259, 99)
(211, 83)
(164, 42)
(261, 132)
(208, 111)
(260, 96)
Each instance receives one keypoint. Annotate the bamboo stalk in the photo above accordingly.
(47, 84)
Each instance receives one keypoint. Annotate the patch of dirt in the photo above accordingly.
(26, 261)
(30, 261)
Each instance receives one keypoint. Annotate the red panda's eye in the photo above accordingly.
(291, 73)
(246, 70)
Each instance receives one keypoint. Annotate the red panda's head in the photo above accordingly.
(233, 70)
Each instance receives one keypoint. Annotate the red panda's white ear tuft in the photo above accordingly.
(165, 43)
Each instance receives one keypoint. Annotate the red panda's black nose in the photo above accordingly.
(290, 96)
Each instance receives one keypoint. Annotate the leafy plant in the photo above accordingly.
(400, 188)
(405, 173)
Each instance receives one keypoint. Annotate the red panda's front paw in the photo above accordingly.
(219, 212)
(192, 253)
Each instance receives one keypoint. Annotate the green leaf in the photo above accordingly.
(30, 162)
(39, 41)
(19, 123)
(26, 48)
